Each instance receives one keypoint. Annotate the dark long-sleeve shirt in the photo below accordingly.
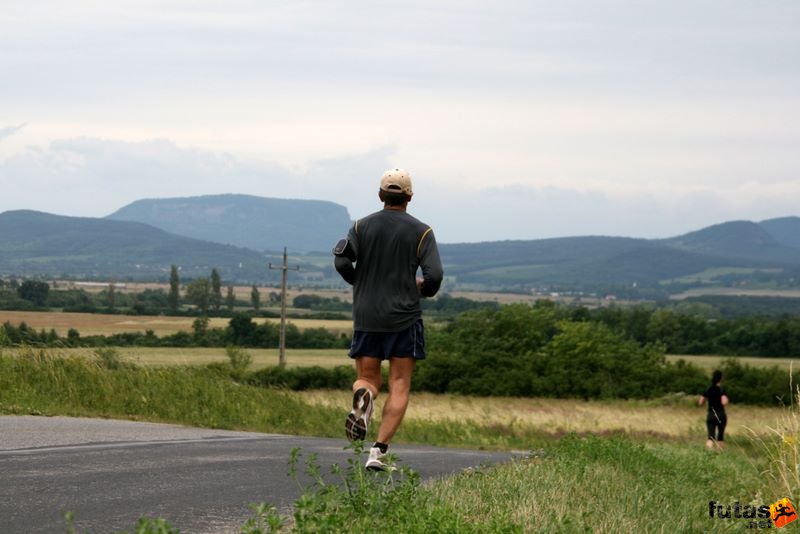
(385, 250)
(714, 397)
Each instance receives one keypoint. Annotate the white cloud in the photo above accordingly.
(94, 177)
(8, 131)
(547, 118)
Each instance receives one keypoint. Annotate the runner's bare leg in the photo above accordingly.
(368, 371)
(400, 371)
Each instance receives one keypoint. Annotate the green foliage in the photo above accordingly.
(239, 360)
(524, 351)
(305, 378)
(590, 361)
(38, 382)
(534, 351)
(34, 291)
(230, 299)
(148, 525)
(109, 358)
(265, 519)
(447, 306)
(174, 288)
(198, 291)
(317, 302)
(25, 335)
(749, 385)
(215, 296)
(255, 298)
(693, 333)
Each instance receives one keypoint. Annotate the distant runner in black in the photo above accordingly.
(717, 399)
(380, 258)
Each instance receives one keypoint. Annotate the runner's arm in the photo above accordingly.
(345, 268)
(431, 264)
(345, 255)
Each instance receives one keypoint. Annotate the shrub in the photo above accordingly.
(302, 378)
(239, 359)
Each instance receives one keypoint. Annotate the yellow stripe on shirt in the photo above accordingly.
(421, 239)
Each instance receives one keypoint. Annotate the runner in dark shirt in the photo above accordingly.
(380, 258)
(716, 419)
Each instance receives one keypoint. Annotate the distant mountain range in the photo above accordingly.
(231, 232)
(36, 243)
(257, 223)
(741, 248)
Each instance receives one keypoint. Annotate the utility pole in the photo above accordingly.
(284, 268)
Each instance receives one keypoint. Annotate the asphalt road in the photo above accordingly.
(111, 473)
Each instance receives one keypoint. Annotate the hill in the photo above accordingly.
(576, 263)
(734, 252)
(257, 223)
(736, 239)
(33, 242)
(785, 230)
(737, 253)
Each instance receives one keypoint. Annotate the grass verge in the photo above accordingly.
(574, 483)
(35, 382)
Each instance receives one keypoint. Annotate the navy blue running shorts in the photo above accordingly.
(408, 343)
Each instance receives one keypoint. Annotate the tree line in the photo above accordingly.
(542, 350)
(241, 331)
(692, 333)
(199, 296)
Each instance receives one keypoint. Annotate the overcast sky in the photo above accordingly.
(516, 119)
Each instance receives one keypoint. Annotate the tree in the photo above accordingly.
(255, 298)
(230, 299)
(34, 291)
(199, 293)
(174, 289)
(241, 329)
(111, 296)
(200, 328)
(216, 290)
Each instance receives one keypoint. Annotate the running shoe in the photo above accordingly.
(357, 420)
(377, 461)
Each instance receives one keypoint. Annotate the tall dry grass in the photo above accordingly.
(673, 418)
(780, 444)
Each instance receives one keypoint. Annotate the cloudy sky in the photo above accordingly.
(517, 119)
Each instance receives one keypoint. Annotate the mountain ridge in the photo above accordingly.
(40, 243)
(258, 223)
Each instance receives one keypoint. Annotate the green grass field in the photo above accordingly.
(617, 466)
(150, 356)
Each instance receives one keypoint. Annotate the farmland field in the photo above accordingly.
(157, 356)
(241, 292)
(713, 362)
(105, 324)
(705, 291)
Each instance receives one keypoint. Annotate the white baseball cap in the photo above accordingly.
(396, 181)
